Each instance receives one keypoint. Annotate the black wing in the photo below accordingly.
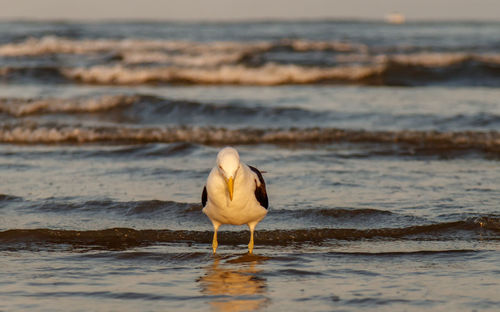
(204, 196)
(260, 191)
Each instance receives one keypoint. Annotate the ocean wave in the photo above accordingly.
(158, 207)
(148, 108)
(383, 70)
(190, 53)
(141, 61)
(197, 60)
(143, 109)
(21, 107)
(32, 133)
(131, 208)
(151, 207)
(402, 71)
(55, 45)
(429, 59)
(182, 212)
(268, 74)
(476, 228)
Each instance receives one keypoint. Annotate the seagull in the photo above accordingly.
(235, 193)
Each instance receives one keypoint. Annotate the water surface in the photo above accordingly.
(380, 145)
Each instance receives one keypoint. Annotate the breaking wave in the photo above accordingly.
(55, 45)
(269, 74)
(390, 72)
(198, 60)
(136, 62)
(147, 105)
(474, 228)
(32, 133)
(22, 107)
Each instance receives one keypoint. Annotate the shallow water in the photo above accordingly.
(380, 145)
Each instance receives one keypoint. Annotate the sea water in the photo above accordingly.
(379, 143)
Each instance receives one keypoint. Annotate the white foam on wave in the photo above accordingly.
(426, 59)
(21, 107)
(54, 45)
(188, 60)
(269, 74)
(437, 59)
(302, 45)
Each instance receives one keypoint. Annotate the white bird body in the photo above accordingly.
(243, 209)
(234, 194)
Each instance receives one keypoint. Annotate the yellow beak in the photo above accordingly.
(230, 187)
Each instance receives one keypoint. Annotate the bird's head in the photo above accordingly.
(228, 163)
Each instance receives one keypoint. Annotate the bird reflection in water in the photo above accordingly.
(235, 284)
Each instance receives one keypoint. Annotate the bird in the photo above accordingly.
(235, 193)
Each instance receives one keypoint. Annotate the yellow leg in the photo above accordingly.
(214, 241)
(250, 244)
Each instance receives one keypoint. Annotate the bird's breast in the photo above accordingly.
(237, 212)
(242, 209)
